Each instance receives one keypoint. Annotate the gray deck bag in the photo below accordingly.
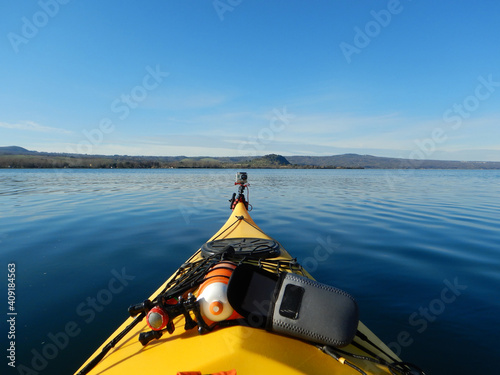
(293, 305)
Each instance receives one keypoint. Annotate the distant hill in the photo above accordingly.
(15, 150)
(377, 162)
(19, 157)
(269, 161)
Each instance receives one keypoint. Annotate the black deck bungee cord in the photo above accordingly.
(110, 345)
(365, 338)
(191, 275)
(395, 368)
(332, 353)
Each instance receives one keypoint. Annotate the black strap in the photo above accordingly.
(110, 345)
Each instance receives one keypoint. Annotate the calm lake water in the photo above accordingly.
(418, 249)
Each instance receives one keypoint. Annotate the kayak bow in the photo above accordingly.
(239, 331)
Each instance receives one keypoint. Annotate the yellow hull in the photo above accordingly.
(244, 349)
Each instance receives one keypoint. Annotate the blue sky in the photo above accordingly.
(409, 78)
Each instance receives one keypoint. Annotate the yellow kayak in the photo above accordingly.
(190, 326)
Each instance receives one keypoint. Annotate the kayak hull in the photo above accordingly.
(242, 348)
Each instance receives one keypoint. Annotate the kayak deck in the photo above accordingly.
(242, 348)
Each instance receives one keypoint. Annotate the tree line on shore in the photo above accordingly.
(103, 162)
(18, 157)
